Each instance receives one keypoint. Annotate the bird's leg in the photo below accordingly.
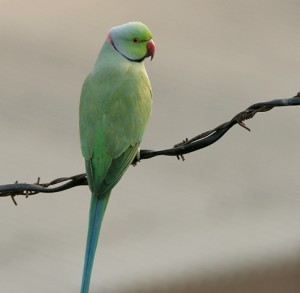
(137, 158)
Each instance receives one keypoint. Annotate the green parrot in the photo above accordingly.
(115, 106)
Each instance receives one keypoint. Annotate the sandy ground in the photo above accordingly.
(224, 220)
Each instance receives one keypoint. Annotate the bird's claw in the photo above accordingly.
(137, 158)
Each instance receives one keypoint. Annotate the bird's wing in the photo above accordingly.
(113, 117)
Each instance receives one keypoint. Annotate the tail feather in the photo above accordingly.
(97, 209)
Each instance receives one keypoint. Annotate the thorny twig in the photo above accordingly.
(187, 146)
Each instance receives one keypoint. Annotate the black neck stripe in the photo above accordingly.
(133, 60)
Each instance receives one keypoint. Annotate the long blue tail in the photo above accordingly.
(97, 209)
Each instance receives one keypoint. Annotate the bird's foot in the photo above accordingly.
(137, 158)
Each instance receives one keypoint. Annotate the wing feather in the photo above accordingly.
(113, 117)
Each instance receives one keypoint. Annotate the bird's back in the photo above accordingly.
(115, 107)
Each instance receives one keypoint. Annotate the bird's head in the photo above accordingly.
(133, 40)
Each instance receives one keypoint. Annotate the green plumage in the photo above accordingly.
(115, 106)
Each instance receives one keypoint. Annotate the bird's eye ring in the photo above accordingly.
(136, 40)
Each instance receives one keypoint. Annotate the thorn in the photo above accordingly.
(183, 142)
(180, 157)
(13, 199)
(244, 125)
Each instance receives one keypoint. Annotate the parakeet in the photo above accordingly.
(115, 106)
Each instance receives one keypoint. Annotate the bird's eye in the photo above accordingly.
(136, 40)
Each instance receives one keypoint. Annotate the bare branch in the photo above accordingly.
(31, 189)
(209, 137)
(187, 146)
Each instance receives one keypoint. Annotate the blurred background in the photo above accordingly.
(225, 220)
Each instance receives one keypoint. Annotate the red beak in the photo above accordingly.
(151, 49)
